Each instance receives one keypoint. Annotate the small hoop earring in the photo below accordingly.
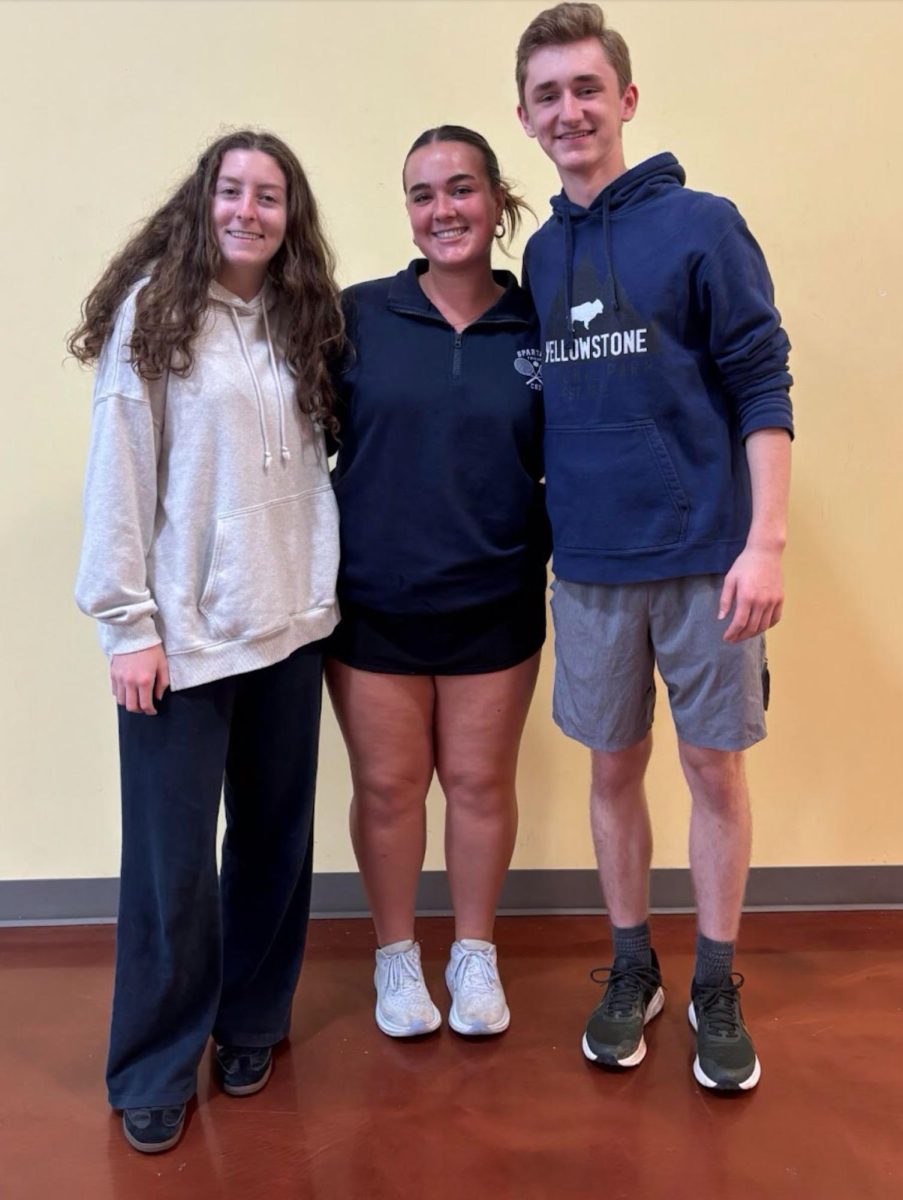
(500, 229)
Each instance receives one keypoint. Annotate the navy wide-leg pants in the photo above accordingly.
(198, 955)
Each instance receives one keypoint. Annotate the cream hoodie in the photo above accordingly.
(210, 523)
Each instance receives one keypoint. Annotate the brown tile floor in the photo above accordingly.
(353, 1115)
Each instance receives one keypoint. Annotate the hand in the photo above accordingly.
(140, 678)
(754, 589)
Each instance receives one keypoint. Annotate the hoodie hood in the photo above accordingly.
(641, 183)
(244, 308)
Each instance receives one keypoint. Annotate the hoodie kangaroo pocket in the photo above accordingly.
(613, 487)
(271, 563)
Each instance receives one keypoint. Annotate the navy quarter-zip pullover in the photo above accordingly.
(440, 462)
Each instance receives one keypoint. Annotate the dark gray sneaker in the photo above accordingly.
(633, 996)
(244, 1070)
(152, 1130)
(725, 1055)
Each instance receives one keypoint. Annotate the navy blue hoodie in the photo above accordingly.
(662, 352)
(440, 464)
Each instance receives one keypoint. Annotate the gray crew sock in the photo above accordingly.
(633, 942)
(714, 960)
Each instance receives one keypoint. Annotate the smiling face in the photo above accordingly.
(574, 108)
(452, 207)
(248, 214)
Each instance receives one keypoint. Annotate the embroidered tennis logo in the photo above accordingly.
(529, 363)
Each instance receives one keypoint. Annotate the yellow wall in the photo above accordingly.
(789, 108)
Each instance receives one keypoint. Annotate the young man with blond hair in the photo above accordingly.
(668, 427)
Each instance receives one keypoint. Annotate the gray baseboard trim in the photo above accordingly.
(58, 901)
(339, 894)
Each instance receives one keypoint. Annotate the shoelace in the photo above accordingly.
(233, 1056)
(625, 987)
(142, 1117)
(475, 969)
(721, 1006)
(403, 975)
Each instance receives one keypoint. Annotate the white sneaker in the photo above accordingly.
(404, 1007)
(478, 998)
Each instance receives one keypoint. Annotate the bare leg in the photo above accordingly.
(720, 837)
(622, 833)
(387, 723)
(479, 722)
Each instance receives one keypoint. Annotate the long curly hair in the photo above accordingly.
(177, 248)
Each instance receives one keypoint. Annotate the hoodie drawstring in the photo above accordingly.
(261, 411)
(624, 193)
(283, 449)
(569, 272)
(571, 214)
(565, 215)
(606, 237)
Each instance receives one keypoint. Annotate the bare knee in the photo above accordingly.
(478, 794)
(617, 775)
(389, 797)
(716, 778)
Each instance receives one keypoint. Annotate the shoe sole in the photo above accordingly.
(481, 1030)
(248, 1089)
(653, 1008)
(152, 1147)
(725, 1085)
(400, 1031)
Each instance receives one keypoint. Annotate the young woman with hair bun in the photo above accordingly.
(442, 581)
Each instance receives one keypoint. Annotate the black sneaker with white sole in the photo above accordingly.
(153, 1130)
(244, 1070)
(725, 1055)
(633, 996)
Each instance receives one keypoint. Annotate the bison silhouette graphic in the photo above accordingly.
(584, 313)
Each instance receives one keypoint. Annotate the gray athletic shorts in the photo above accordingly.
(608, 638)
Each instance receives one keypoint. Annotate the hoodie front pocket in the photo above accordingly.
(271, 563)
(613, 487)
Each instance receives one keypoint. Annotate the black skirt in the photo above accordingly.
(469, 641)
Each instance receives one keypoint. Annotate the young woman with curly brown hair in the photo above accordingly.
(209, 561)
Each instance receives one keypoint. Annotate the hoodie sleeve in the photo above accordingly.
(120, 497)
(746, 340)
